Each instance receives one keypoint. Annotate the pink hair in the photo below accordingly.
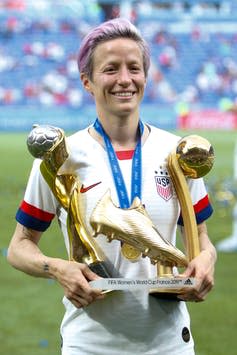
(108, 30)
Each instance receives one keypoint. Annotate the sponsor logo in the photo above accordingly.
(84, 189)
(188, 282)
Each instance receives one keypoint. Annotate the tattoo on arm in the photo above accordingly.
(46, 267)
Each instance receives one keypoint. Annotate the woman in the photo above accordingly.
(113, 63)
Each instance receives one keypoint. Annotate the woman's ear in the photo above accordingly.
(86, 83)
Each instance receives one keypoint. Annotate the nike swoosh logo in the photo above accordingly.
(84, 189)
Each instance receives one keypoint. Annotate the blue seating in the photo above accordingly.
(191, 56)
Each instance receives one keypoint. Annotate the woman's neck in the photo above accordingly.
(123, 135)
(122, 131)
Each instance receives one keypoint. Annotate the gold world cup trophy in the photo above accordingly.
(48, 143)
(193, 158)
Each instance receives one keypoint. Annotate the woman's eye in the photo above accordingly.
(109, 70)
(135, 69)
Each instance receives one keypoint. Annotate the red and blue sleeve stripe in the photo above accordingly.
(33, 217)
(202, 209)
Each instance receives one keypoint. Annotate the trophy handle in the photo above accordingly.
(89, 243)
(190, 226)
(83, 248)
(65, 189)
(60, 185)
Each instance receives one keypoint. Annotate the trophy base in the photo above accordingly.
(165, 294)
(162, 288)
(100, 269)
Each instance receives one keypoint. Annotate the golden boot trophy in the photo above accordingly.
(48, 143)
(193, 158)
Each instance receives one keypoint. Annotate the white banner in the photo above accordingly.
(127, 284)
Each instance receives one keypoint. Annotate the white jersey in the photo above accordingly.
(125, 322)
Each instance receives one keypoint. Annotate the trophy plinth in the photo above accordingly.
(48, 143)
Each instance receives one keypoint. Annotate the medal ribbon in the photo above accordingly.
(136, 178)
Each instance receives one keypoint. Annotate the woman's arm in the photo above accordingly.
(25, 255)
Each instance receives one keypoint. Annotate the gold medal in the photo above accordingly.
(129, 252)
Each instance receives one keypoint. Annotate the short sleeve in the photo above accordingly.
(39, 205)
(200, 199)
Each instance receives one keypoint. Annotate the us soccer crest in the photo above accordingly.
(163, 184)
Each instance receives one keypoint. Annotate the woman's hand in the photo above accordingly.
(202, 269)
(74, 278)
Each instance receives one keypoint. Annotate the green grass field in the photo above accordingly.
(31, 308)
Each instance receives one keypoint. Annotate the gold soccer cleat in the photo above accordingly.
(134, 227)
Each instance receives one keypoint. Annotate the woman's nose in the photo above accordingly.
(124, 76)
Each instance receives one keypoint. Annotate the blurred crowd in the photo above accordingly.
(38, 62)
(38, 59)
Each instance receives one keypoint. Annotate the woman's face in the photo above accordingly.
(118, 78)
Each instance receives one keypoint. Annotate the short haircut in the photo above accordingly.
(112, 29)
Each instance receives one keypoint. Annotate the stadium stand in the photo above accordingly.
(193, 47)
